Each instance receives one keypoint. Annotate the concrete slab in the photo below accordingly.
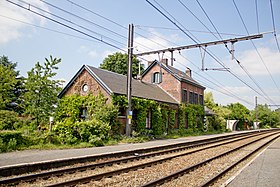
(264, 171)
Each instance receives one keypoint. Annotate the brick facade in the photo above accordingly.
(169, 83)
(85, 78)
(172, 85)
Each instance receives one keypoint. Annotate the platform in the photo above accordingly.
(263, 171)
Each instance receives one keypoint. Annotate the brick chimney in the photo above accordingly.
(164, 61)
(189, 72)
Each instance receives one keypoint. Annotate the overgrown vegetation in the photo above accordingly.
(83, 121)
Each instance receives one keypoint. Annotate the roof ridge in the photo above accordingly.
(106, 70)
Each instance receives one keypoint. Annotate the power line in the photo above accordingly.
(213, 56)
(231, 52)
(257, 15)
(67, 26)
(255, 47)
(71, 22)
(214, 82)
(41, 27)
(209, 19)
(273, 23)
(185, 6)
(114, 22)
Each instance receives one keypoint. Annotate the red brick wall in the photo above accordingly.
(169, 83)
(86, 78)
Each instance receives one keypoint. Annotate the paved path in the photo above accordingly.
(33, 156)
(264, 171)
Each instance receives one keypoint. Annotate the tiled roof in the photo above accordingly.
(117, 84)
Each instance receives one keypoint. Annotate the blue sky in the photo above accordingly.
(27, 38)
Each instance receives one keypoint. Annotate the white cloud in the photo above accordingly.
(252, 62)
(11, 29)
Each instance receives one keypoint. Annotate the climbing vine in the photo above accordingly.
(164, 118)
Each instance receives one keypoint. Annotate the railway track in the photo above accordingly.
(41, 166)
(124, 165)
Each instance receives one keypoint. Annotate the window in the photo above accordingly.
(184, 96)
(196, 98)
(186, 120)
(201, 101)
(191, 97)
(148, 120)
(156, 77)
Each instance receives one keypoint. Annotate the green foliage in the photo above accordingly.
(11, 86)
(93, 131)
(118, 63)
(94, 128)
(266, 117)
(41, 90)
(164, 118)
(10, 140)
(8, 120)
(7, 83)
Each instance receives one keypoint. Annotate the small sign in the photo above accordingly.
(129, 117)
(130, 113)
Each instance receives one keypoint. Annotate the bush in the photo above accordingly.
(93, 131)
(7, 120)
(11, 140)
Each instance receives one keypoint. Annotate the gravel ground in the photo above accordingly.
(142, 176)
(138, 178)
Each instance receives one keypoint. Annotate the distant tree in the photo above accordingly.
(11, 85)
(266, 116)
(41, 90)
(118, 63)
(218, 120)
(241, 113)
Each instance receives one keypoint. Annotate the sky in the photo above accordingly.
(86, 31)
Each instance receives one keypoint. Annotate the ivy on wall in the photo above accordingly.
(164, 119)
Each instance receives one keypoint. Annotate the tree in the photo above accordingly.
(41, 90)
(217, 121)
(266, 117)
(7, 83)
(241, 113)
(118, 63)
(11, 85)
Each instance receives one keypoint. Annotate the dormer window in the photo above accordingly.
(156, 77)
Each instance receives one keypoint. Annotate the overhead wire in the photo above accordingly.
(210, 54)
(111, 21)
(274, 28)
(48, 29)
(238, 61)
(242, 67)
(215, 82)
(257, 15)
(256, 49)
(67, 26)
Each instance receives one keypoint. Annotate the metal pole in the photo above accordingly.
(256, 111)
(129, 79)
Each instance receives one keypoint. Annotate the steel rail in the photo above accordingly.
(48, 174)
(200, 164)
(222, 173)
(133, 168)
(46, 165)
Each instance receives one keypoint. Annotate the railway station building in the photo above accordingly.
(159, 82)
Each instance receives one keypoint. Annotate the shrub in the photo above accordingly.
(11, 140)
(93, 131)
(7, 120)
